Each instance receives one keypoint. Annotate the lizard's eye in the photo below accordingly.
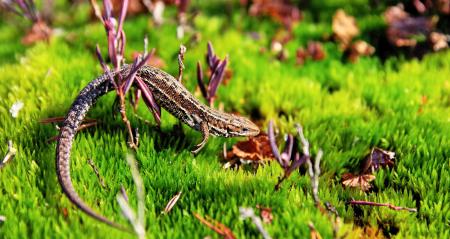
(244, 130)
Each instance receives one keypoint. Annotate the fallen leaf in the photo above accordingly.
(279, 10)
(357, 181)
(360, 48)
(315, 51)
(438, 41)
(266, 214)
(40, 31)
(255, 148)
(216, 226)
(344, 28)
(300, 56)
(376, 159)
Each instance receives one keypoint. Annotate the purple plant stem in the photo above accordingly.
(108, 9)
(287, 153)
(149, 100)
(105, 67)
(200, 81)
(136, 65)
(273, 144)
(210, 58)
(100, 58)
(123, 14)
(216, 78)
(298, 161)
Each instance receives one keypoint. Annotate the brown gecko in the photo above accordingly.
(171, 95)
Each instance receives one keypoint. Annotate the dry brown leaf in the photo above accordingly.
(344, 28)
(438, 41)
(279, 10)
(266, 214)
(255, 148)
(376, 159)
(300, 56)
(358, 181)
(216, 226)
(315, 50)
(40, 31)
(360, 48)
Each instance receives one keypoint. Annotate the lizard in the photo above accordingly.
(170, 94)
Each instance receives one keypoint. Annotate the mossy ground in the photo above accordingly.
(346, 109)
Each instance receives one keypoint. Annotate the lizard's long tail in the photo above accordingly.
(75, 116)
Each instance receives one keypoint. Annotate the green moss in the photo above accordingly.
(346, 109)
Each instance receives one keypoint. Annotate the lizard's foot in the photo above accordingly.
(198, 147)
(205, 132)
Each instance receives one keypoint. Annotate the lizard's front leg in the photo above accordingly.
(204, 129)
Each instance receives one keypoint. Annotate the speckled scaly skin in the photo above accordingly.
(171, 95)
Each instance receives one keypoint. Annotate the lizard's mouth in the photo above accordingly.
(247, 127)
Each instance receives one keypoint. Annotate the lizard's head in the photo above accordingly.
(241, 126)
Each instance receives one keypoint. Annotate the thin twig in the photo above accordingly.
(313, 171)
(97, 11)
(303, 140)
(249, 213)
(82, 126)
(180, 62)
(315, 179)
(124, 193)
(172, 203)
(140, 191)
(393, 207)
(97, 173)
(314, 234)
(139, 221)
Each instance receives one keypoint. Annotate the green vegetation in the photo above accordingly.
(346, 109)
